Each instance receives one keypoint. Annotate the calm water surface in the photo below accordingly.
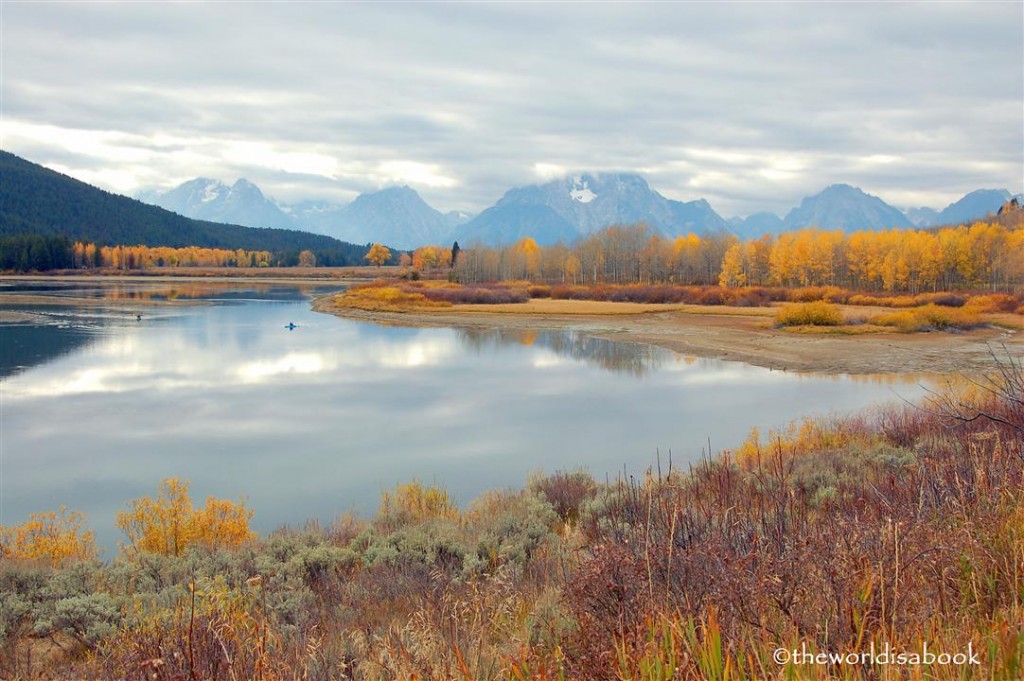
(98, 407)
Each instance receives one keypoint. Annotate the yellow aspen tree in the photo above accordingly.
(378, 254)
(733, 273)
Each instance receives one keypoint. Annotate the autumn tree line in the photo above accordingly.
(983, 255)
(137, 257)
(37, 252)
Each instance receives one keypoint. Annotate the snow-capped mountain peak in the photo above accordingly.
(212, 191)
(580, 190)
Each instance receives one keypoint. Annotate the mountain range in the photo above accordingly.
(562, 209)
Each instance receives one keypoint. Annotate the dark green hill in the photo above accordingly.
(36, 200)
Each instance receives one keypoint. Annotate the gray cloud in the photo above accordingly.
(751, 106)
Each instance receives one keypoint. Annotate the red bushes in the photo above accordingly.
(477, 295)
(539, 291)
(755, 296)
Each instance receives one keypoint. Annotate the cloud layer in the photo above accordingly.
(751, 106)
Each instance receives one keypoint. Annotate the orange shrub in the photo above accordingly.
(384, 298)
(881, 301)
(996, 302)
(929, 318)
(55, 538)
(817, 313)
(168, 524)
(808, 294)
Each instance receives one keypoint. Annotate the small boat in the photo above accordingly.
(291, 325)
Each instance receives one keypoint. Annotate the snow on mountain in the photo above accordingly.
(559, 210)
(566, 208)
(581, 191)
(207, 199)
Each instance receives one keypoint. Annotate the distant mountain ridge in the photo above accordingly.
(207, 199)
(972, 206)
(840, 206)
(561, 209)
(396, 215)
(756, 225)
(566, 208)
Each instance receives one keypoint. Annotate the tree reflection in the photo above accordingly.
(628, 358)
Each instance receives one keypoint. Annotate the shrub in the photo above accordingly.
(996, 302)
(413, 502)
(168, 524)
(566, 492)
(383, 298)
(809, 314)
(943, 299)
(539, 291)
(809, 294)
(55, 538)
(210, 632)
(881, 301)
(711, 296)
(929, 318)
(89, 618)
(477, 295)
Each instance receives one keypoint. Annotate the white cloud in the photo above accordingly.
(749, 105)
(414, 172)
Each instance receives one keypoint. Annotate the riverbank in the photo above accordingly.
(743, 334)
(158, 289)
(721, 332)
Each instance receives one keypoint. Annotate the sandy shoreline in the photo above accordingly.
(718, 332)
(736, 334)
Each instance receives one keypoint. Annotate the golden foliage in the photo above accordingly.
(929, 317)
(138, 257)
(818, 313)
(415, 502)
(430, 257)
(52, 537)
(982, 255)
(389, 298)
(797, 439)
(378, 254)
(169, 524)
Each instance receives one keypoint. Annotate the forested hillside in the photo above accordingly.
(36, 200)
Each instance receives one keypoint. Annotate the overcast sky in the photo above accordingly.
(749, 105)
